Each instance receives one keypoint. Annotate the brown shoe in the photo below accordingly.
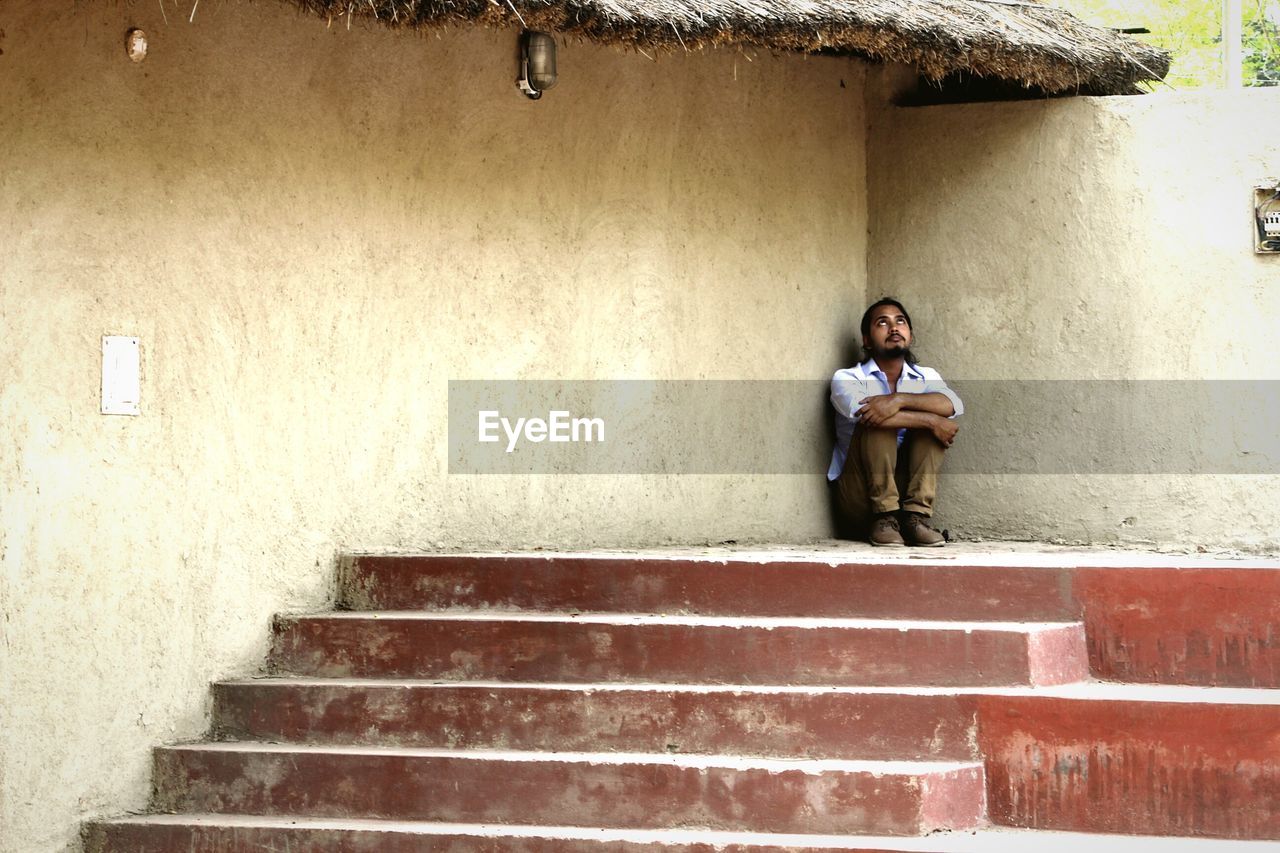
(918, 532)
(884, 530)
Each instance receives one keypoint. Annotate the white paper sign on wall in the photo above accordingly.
(121, 375)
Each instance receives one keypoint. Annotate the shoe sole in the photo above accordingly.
(889, 544)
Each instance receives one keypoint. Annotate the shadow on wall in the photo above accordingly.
(850, 354)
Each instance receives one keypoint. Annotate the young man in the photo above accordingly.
(894, 421)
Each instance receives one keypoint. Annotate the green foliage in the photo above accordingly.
(1191, 30)
(1262, 43)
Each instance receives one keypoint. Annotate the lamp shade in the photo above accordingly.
(540, 53)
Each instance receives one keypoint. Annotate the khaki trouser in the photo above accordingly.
(876, 472)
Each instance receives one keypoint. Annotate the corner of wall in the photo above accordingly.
(884, 84)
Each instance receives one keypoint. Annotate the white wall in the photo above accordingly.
(312, 230)
(1092, 238)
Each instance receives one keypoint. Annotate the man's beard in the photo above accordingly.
(896, 350)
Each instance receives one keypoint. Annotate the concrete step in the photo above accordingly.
(1151, 760)
(214, 833)
(688, 649)
(1205, 626)
(1088, 757)
(653, 584)
(1172, 619)
(609, 789)
(778, 721)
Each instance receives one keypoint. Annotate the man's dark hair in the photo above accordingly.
(909, 356)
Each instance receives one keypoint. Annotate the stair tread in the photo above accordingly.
(691, 620)
(993, 553)
(1088, 690)
(688, 760)
(986, 840)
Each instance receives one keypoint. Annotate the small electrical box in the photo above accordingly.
(1266, 218)
(121, 375)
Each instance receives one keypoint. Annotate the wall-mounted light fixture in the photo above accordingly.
(135, 44)
(537, 63)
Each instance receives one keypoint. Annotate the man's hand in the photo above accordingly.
(900, 411)
(876, 410)
(945, 430)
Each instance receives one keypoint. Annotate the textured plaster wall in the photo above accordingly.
(1086, 238)
(311, 229)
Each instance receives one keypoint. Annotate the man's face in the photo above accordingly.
(890, 335)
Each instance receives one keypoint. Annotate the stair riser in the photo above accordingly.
(133, 839)
(467, 790)
(151, 839)
(828, 725)
(1183, 626)
(708, 587)
(533, 651)
(1148, 768)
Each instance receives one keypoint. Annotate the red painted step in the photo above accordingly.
(708, 586)
(649, 724)
(801, 723)
(208, 833)
(238, 834)
(606, 789)
(1218, 626)
(715, 650)
(1116, 763)
(1180, 622)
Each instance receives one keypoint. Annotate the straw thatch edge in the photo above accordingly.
(1034, 45)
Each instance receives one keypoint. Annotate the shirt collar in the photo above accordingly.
(870, 368)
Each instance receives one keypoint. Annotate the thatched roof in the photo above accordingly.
(1029, 43)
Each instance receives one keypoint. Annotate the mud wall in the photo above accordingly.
(311, 229)
(1091, 239)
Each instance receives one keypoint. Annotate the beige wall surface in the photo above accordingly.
(1098, 238)
(311, 230)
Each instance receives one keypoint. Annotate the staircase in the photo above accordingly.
(575, 703)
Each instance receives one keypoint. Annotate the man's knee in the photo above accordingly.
(875, 436)
(876, 447)
(924, 441)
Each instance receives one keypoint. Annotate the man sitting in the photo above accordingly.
(894, 421)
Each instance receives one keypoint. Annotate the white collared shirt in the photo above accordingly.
(853, 384)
